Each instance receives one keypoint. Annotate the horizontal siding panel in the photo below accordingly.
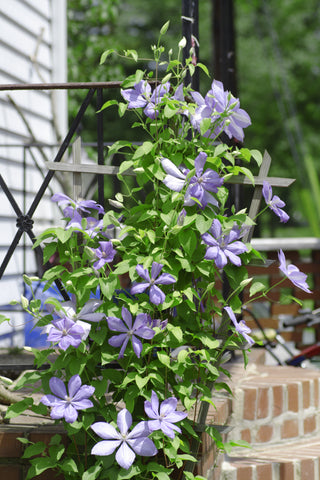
(40, 7)
(11, 121)
(21, 43)
(21, 67)
(29, 102)
(28, 18)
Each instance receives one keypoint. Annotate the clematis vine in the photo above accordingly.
(240, 327)
(140, 328)
(297, 277)
(128, 443)
(274, 202)
(66, 405)
(155, 294)
(70, 206)
(223, 247)
(165, 417)
(104, 253)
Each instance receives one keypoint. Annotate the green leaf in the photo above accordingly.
(92, 473)
(69, 465)
(188, 241)
(105, 55)
(39, 465)
(164, 358)
(141, 381)
(116, 146)
(144, 149)
(108, 104)
(16, 409)
(205, 125)
(139, 76)
(56, 452)
(256, 287)
(125, 165)
(204, 68)
(122, 108)
(4, 319)
(108, 286)
(131, 53)
(203, 224)
(257, 156)
(34, 450)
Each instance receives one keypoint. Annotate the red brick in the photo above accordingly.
(264, 433)
(290, 428)
(286, 471)
(277, 391)
(307, 469)
(293, 397)
(9, 445)
(249, 404)
(306, 394)
(246, 435)
(309, 424)
(264, 472)
(263, 403)
(244, 472)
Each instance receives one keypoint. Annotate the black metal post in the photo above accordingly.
(190, 30)
(224, 50)
(100, 145)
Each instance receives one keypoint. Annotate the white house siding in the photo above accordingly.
(32, 50)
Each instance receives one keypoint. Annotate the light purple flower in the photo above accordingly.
(165, 417)
(66, 405)
(293, 273)
(182, 215)
(202, 183)
(175, 178)
(224, 111)
(223, 247)
(129, 443)
(274, 202)
(140, 328)
(140, 96)
(65, 332)
(155, 294)
(70, 206)
(240, 327)
(92, 225)
(105, 254)
(71, 325)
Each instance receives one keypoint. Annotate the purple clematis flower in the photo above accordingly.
(224, 111)
(67, 405)
(165, 418)
(140, 328)
(293, 273)
(176, 178)
(223, 247)
(92, 225)
(274, 202)
(105, 254)
(155, 294)
(129, 443)
(240, 327)
(66, 332)
(69, 206)
(140, 96)
(202, 183)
